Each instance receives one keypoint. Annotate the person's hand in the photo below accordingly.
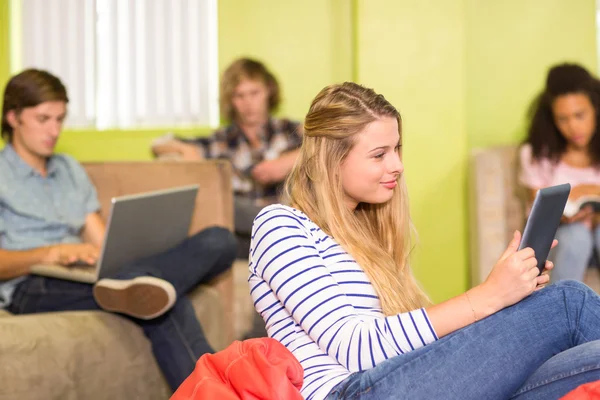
(514, 277)
(547, 270)
(585, 215)
(70, 253)
(190, 152)
(165, 146)
(187, 151)
(268, 171)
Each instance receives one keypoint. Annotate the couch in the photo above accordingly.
(497, 209)
(97, 355)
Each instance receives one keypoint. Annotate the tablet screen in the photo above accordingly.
(544, 220)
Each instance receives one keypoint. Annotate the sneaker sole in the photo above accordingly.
(143, 297)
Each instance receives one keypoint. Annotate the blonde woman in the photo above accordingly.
(330, 277)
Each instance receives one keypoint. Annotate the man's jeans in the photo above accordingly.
(540, 348)
(176, 337)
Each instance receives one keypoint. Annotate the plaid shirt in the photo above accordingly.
(278, 136)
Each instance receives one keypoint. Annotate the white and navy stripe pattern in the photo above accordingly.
(318, 302)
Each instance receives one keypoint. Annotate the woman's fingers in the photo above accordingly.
(583, 214)
(542, 279)
(533, 272)
(526, 253)
(530, 263)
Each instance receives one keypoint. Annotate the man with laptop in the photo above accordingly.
(49, 218)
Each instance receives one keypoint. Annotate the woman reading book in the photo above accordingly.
(563, 147)
(330, 276)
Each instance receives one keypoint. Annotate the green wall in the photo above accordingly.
(307, 44)
(510, 46)
(461, 72)
(4, 44)
(424, 79)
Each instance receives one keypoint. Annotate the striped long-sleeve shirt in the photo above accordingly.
(318, 302)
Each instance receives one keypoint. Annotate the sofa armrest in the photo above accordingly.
(496, 206)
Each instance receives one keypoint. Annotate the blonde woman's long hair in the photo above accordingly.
(378, 236)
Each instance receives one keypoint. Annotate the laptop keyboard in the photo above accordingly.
(83, 264)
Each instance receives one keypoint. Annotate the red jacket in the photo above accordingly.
(587, 391)
(254, 369)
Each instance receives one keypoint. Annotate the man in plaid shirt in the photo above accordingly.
(262, 149)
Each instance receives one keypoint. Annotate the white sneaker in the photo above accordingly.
(144, 297)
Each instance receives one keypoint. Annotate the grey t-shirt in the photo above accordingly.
(37, 211)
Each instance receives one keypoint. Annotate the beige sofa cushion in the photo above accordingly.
(76, 355)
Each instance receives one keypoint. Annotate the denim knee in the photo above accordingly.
(569, 290)
(571, 283)
(221, 242)
(217, 238)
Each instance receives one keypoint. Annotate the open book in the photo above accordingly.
(573, 207)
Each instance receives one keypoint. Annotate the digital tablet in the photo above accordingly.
(543, 221)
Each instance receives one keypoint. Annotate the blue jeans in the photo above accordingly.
(576, 243)
(176, 337)
(540, 348)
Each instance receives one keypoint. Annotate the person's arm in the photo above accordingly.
(274, 171)
(93, 230)
(285, 257)
(288, 159)
(513, 278)
(18, 263)
(586, 213)
(285, 163)
(15, 263)
(188, 151)
(169, 147)
(534, 175)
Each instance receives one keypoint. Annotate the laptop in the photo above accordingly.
(139, 226)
